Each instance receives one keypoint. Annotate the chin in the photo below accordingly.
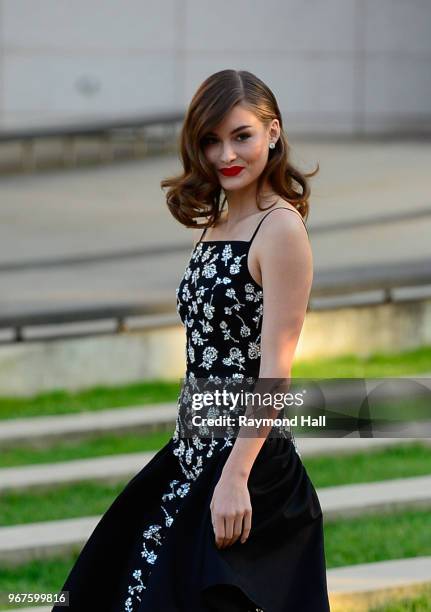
(231, 185)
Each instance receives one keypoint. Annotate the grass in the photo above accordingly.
(90, 498)
(396, 462)
(347, 542)
(381, 537)
(102, 397)
(96, 398)
(377, 365)
(93, 446)
(419, 603)
(60, 502)
(47, 576)
(401, 461)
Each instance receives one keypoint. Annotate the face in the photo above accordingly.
(238, 147)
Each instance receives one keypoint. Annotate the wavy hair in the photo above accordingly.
(197, 191)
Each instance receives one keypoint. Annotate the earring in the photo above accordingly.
(272, 145)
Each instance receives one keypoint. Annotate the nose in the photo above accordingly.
(228, 154)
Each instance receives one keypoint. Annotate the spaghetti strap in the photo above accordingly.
(202, 235)
(264, 217)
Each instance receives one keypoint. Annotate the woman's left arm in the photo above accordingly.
(286, 264)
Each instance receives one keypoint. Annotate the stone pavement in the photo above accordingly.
(381, 213)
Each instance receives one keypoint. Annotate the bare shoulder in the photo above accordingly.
(283, 244)
(284, 221)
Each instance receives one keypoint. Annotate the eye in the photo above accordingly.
(207, 140)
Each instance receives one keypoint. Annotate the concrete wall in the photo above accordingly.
(350, 66)
(160, 353)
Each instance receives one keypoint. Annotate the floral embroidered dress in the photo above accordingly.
(154, 549)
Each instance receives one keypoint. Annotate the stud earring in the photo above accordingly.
(272, 145)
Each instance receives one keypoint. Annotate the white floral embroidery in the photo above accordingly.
(221, 281)
(226, 332)
(191, 352)
(208, 252)
(186, 293)
(209, 270)
(235, 268)
(207, 297)
(209, 356)
(227, 253)
(195, 276)
(245, 330)
(208, 309)
(197, 338)
(253, 350)
(235, 358)
(206, 327)
(259, 313)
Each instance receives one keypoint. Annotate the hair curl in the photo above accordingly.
(197, 191)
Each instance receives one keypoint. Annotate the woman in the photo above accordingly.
(228, 523)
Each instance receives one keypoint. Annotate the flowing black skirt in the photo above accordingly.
(155, 552)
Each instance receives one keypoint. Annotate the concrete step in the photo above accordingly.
(20, 543)
(75, 426)
(357, 588)
(113, 468)
(346, 501)
(46, 429)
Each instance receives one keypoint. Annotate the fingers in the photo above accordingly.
(229, 522)
(237, 529)
(246, 526)
(228, 529)
(219, 530)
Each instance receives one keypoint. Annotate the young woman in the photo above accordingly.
(228, 523)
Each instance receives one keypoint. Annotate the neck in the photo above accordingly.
(242, 202)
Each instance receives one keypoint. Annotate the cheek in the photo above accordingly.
(256, 152)
(209, 154)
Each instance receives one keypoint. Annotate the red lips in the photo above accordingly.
(233, 171)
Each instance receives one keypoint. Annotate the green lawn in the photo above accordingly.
(397, 462)
(61, 502)
(377, 365)
(102, 397)
(420, 603)
(93, 446)
(380, 537)
(96, 398)
(89, 498)
(347, 542)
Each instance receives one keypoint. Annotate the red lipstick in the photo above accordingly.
(233, 171)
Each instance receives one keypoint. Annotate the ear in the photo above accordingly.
(274, 129)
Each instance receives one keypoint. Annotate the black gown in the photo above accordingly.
(154, 548)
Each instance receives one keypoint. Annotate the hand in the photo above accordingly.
(231, 511)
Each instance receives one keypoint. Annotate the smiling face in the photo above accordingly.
(238, 147)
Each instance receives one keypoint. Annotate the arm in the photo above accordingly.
(285, 259)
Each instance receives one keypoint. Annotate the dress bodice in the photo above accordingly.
(221, 307)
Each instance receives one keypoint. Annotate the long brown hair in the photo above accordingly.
(197, 191)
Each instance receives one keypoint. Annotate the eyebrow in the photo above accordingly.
(241, 127)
